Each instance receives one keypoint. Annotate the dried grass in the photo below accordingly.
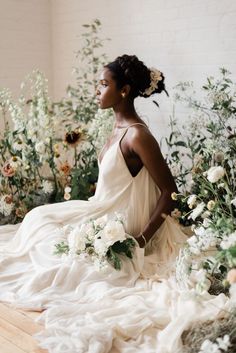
(193, 338)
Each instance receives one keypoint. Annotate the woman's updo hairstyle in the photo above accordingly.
(128, 69)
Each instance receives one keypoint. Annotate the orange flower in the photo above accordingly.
(8, 199)
(8, 170)
(65, 168)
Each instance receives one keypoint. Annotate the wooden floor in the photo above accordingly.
(16, 330)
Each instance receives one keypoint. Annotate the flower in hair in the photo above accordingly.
(155, 76)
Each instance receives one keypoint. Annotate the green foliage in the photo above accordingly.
(49, 151)
(202, 158)
(123, 248)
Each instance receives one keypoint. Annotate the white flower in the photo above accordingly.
(199, 280)
(215, 173)
(233, 202)
(206, 222)
(100, 247)
(18, 145)
(101, 221)
(209, 347)
(224, 343)
(40, 147)
(67, 189)
(191, 200)
(113, 231)
(228, 241)
(88, 229)
(15, 162)
(205, 214)
(197, 211)
(77, 240)
(47, 187)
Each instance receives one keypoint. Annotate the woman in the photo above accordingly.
(114, 311)
(121, 82)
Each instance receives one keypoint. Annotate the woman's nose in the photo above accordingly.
(97, 91)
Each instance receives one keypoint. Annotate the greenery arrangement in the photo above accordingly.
(49, 149)
(202, 157)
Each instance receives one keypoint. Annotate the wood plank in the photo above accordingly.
(19, 320)
(17, 337)
(8, 347)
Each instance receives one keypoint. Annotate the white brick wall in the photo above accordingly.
(25, 40)
(186, 39)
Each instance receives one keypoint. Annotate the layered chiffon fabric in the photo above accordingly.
(137, 309)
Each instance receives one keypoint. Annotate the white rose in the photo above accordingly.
(100, 247)
(77, 240)
(215, 173)
(113, 231)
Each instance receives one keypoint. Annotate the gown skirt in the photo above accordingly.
(139, 308)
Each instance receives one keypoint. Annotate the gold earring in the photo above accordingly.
(123, 95)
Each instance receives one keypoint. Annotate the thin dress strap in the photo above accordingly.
(127, 127)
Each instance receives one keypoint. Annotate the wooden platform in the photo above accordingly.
(16, 330)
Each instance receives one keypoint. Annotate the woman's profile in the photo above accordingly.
(116, 311)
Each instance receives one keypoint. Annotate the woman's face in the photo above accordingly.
(108, 96)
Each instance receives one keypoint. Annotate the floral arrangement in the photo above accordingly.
(202, 157)
(102, 240)
(49, 150)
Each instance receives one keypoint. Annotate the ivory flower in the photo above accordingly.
(47, 187)
(77, 240)
(215, 173)
(197, 211)
(192, 200)
(114, 231)
(210, 205)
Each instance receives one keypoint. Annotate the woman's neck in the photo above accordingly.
(125, 114)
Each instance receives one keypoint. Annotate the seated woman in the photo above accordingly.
(88, 310)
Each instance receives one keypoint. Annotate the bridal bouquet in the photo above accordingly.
(103, 240)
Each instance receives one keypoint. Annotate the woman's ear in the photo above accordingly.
(125, 90)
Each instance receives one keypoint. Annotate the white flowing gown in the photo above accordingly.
(137, 309)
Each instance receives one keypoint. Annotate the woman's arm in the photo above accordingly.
(146, 147)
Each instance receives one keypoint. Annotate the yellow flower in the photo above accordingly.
(174, 196)
(210, 205)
